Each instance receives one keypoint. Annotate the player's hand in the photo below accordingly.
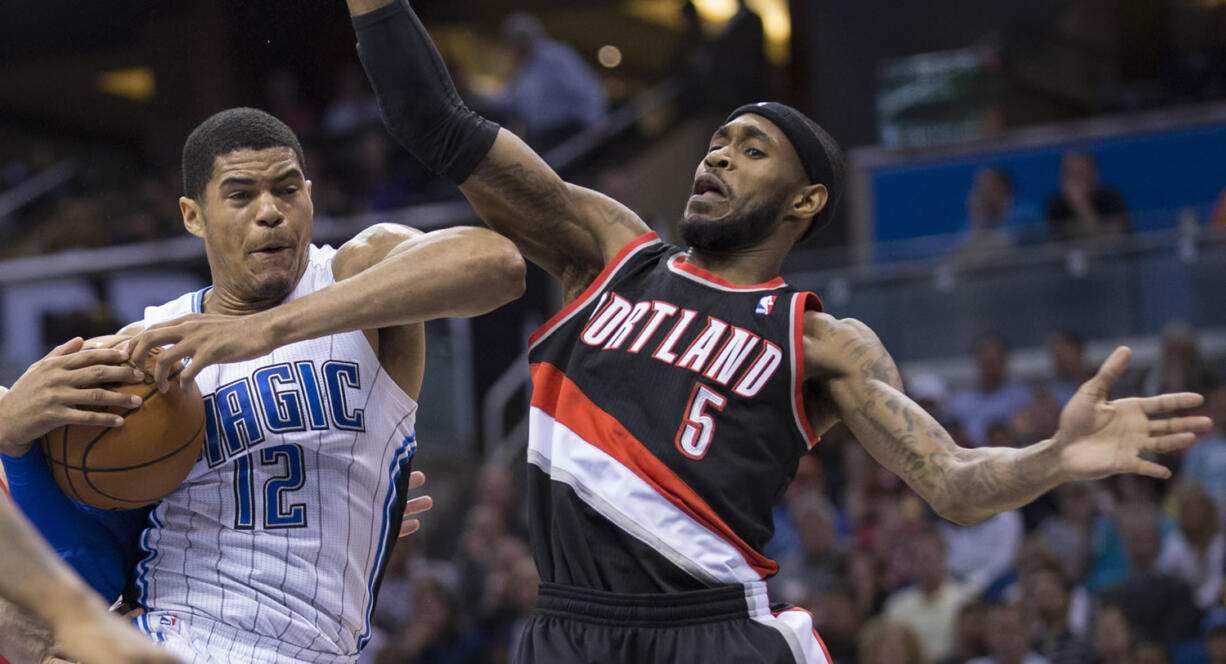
(206, 339)
(416, 506)
(67, 386)
(107, 639)
(1098, 438)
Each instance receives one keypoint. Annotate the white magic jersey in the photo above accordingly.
(273, 547)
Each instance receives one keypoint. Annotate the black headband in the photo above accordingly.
(819, 154)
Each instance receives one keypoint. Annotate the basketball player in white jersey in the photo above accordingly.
(310, 361)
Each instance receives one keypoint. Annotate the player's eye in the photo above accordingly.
(755, 153)
(713, 148)
(290, 190)
(239, 196)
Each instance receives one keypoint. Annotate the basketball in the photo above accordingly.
(136, 464)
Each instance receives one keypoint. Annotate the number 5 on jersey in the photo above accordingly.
(697, 427)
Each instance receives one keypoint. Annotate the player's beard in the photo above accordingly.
(734, 233)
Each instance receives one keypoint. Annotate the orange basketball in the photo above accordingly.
(137, 464)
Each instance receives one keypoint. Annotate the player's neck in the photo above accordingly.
(221, 301)
(745, 267)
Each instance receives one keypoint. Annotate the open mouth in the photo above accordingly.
(271, 250)
(710, 188)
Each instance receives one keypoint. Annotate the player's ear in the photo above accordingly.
(811, 200)
(308, 188)
(193, 216)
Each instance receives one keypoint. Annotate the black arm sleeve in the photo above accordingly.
(419, 102)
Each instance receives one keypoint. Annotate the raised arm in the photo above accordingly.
(852, 377)
(569, 231)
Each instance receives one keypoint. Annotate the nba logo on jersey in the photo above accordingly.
(765, 305)
(169, 621)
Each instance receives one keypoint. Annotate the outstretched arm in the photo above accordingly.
(1096, 438)
(34, 580)
(569, 231)
(388, 276)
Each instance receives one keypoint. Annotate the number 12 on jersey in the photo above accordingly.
(697, 426)
(291, 478)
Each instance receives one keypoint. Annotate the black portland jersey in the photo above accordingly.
(666, 422)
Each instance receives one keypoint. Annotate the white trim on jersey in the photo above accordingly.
(624, 498)
(794, 625)
(675, 263)
(594, 289)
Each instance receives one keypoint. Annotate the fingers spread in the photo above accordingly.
(1109, 373)
(409, 527)
(418, 505)
(1179, 425)
(1170, 443)
(1151, 469)
(94, 356)
(100, 397)
(1169, 403)
(416, 479)
(100, 374)
(67, 348)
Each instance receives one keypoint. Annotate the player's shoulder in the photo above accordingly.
(820, 327)
(369, 247)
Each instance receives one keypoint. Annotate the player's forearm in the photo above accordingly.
(962, 485)
(417, 98)
(35, 580)
(459, 272)
(359, 7)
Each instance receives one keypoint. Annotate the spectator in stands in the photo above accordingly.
(995, 219)
(1084, 208)
(981, 553)
(884, 641)
(970, 638)
(692, 59)
(285, 101)
(1007, 638)
(739, 61)
(1067, 351)
(435, 634)
(930, 607)
(1195, 550)
(1206, 461)
(1181, 366)
(1112, 638)
(354, 107)
(1049, 596)
(809, 483)
(819, 562)
(994, 397)
(1160, 607)
(1217, 218)
(1214, 627)
(835, 617)
(495, 488)
(554, 93)
(1084, 538)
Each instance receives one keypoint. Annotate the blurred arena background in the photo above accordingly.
(1034, 182)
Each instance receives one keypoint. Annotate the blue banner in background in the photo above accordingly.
(1157, 172)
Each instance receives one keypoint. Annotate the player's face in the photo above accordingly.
(256, 223)
(743, 186)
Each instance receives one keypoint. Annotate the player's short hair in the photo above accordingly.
(227, 131)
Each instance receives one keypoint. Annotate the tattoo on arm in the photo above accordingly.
(962, 484)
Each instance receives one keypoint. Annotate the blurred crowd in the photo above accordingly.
(1082, 208)
(1123, 571)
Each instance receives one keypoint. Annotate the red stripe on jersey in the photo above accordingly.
(802, 302)
(689, 268)
(813, 622)
(561, 399)
(593, 288)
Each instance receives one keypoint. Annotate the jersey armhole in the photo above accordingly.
(802, 302)
(595, 288)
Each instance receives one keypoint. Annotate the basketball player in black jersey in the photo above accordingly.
(676, 390)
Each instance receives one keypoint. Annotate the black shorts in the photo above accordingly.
(717, 625)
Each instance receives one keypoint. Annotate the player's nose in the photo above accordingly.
(717, 158)
(269, 211)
